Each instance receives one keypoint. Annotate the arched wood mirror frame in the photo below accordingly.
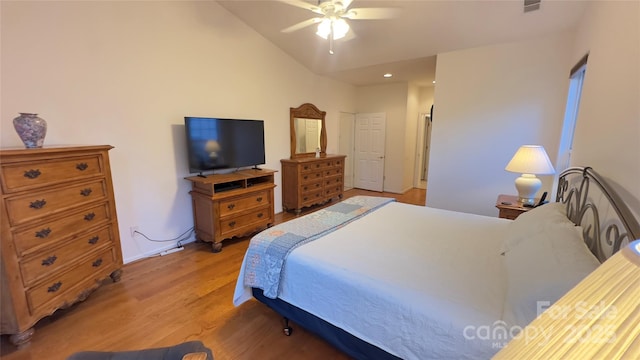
(303, 114)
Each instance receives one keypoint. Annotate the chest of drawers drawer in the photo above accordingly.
(60, 287)
(312, 187)
(35, 205)
(310, 177)
(51, 259)
(42, 173)
(229, 225)
(47, 233)
(240, 204)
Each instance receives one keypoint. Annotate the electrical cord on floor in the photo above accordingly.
(180, 238)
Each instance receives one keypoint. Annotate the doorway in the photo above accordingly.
(423, 141)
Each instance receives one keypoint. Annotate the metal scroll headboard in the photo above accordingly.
(607, 222)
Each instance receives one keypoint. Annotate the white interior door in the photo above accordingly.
(369, 151)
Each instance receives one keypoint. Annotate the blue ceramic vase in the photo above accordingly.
(31, 129)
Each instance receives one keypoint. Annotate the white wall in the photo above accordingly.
(126, 73)
(607, 135)
(392, 100)
(413, 106)
(488, 102)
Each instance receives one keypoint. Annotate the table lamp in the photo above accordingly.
(529, 160)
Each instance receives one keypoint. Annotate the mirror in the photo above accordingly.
(308, 131)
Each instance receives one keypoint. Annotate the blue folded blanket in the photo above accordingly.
(269, 249)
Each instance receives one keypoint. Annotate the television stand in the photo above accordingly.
(232, 205)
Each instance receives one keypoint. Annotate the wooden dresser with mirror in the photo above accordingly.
(311, 176)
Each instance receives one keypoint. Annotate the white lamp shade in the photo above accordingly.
(531, 159)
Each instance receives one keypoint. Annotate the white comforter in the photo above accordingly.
(408, 279)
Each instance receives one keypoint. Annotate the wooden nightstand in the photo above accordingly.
(509, 206)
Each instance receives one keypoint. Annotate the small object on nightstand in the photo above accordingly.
(510, 207)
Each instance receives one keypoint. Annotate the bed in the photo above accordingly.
(384, 280)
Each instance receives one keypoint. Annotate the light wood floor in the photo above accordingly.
(184, 296)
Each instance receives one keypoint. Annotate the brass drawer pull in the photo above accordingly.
(231, 206)
(317, 165)
(32, 174)
(97, 263)
(318, 185)
(306, 167)
(318, 175)
(55, 287)
(90, 216)
(232, 224)
(49, 261)
(43, 233)
(260, 215)
(94, 240)
(259, 199)
(305, 177)
(305, 188)
(305, 198)
(82, 166)
(85, 192)
(38, 204)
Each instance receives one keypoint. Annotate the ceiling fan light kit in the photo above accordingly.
(332, 24)
(337, 28)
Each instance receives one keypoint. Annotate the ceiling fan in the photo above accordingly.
(332, 22)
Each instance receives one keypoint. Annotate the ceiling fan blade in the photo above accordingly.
(371, 13)
(304, 5)
(301, 25)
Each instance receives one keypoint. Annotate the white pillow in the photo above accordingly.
(533, 221)
(542, 268)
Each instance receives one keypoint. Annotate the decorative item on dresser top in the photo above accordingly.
(31, 129)
(59, 232)
(310, 176)
(233, 204)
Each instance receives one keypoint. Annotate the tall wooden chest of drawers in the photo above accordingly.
(308, 181)
(231, 205)
(59, 231)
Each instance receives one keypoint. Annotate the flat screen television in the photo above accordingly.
(215, 144)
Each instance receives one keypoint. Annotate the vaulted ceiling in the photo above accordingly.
(407, 44)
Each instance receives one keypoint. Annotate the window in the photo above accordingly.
(576, 79)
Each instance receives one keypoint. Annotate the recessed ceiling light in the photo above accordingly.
(387, 75)
(434, 81)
